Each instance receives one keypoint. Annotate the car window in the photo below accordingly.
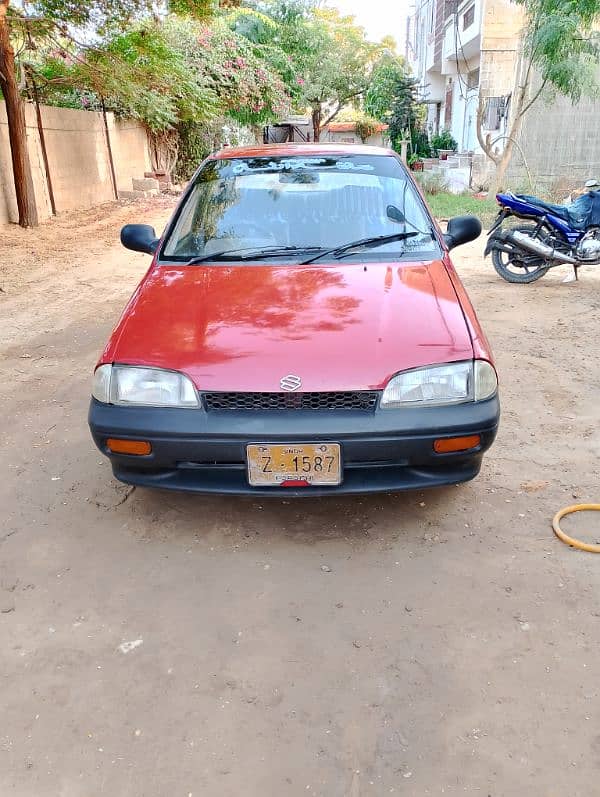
(321, 201)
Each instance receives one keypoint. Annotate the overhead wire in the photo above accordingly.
(457, 38)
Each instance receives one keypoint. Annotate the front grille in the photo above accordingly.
(365, 401)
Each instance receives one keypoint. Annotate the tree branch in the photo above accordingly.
(485, 143)
(525, 83)
(333, 115)
(341, 104)
(534, 98)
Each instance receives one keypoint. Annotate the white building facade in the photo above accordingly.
(451, 46)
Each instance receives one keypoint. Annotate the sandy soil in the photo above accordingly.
(451, 645)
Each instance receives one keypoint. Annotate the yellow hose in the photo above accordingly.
(569, 510)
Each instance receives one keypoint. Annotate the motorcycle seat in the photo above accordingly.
(557, 210)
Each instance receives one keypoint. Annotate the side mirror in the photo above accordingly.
(395, 214)
(140, 238)
(461, 230)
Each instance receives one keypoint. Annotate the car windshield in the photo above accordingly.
(297, 205)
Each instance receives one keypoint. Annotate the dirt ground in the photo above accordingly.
(165, 645)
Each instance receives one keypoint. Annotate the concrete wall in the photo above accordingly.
(78, 159)
(351, 137)
(130, 150)
(558, 141)
(8, 203)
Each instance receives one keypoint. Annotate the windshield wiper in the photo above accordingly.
(363, 243)
(249, 253)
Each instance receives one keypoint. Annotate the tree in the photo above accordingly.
(17, 133)
(392, 97)
(327, 57)
(54, 19)
(560, 45)
(269, 38)
(181, 78)
(388, 83)
(335, 66)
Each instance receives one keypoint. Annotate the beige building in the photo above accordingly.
(464, 51)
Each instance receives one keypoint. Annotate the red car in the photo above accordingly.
(301, 327)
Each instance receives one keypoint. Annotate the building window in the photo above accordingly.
(431, 16)
(450, 7)
(473, 79)
(495, 111)
(448, 104)
(468, 17)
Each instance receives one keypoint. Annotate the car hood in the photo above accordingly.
(337, 327)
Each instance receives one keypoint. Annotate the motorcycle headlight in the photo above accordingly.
(129, 385)
(436, 385)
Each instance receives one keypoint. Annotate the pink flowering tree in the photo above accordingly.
(181, 77)
(323, 57)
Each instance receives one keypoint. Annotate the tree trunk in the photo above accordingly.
(485, 142)
(497, 181)
(520, 108)
(316, 123)
(17, 131)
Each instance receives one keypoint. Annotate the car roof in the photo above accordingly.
(257, 151)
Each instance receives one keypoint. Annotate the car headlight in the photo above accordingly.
(130, 385)
(485, 380)
(454, 383)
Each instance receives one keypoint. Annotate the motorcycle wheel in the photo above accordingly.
(518, 266)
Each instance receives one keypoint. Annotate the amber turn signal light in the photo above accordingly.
(139, 448)
(451, 445)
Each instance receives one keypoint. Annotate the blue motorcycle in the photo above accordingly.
(555, 235)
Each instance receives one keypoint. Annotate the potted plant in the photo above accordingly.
(415, 163)
(444, 144)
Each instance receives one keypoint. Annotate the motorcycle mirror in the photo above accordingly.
(461, 230)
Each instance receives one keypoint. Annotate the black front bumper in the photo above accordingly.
(383, 451)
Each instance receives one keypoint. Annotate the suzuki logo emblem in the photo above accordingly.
(290, 383)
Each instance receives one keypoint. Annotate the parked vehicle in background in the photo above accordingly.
(301, 327)
(556, 235)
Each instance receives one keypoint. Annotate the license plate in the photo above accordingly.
(273, 465)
